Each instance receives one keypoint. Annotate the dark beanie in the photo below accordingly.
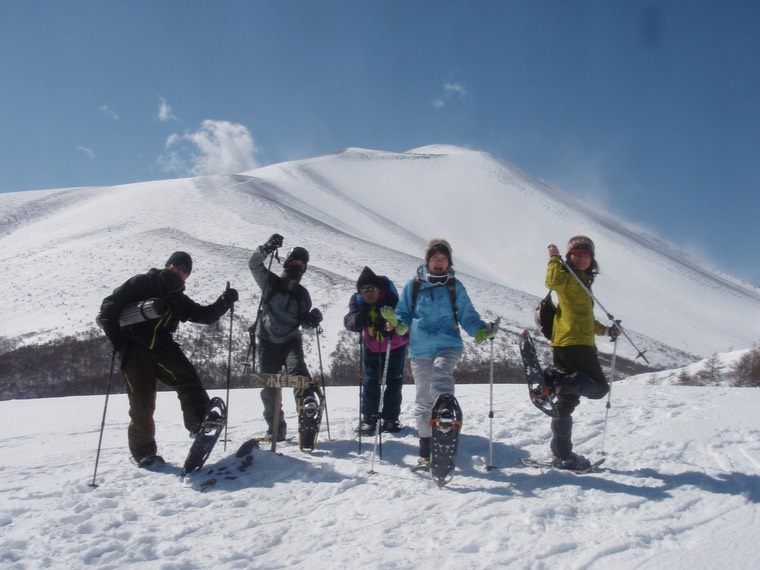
(182, 259)
(368, 277)
(297, 253)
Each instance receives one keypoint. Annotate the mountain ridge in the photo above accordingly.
(353, 208)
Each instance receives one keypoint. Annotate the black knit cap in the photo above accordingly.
(297, 253)
(181, 259)
(368, 277)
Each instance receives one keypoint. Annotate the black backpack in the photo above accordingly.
(544, 315)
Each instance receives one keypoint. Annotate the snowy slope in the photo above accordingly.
(680, 489)
(64, 250)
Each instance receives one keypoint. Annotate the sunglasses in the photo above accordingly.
(181, 267)
(367, 289)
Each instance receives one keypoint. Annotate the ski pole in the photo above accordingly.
(609, 315)
(609, 394)
(277, 410)
(380, 405)
(322, 376)
(490, 416)
(252, 329)
(229, 369)
(103, 421)
(361, 386)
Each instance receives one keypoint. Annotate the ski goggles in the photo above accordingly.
(437, 279)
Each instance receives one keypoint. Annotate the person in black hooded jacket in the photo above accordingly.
(373, 292)
(148, 353)
(285, 308)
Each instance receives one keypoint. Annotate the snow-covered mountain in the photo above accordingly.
(63, 250)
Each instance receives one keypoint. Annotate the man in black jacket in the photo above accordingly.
(148, 352)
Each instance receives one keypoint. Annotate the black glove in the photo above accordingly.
(117, 340)
(122, 353)
(273, 243)
(363, 319)
(315, 317)
(230, 296)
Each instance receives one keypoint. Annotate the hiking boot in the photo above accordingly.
(552, 377)
(573, 462)
(207, 425)
(392, 426)
(366, 428)
(423, 463)
(281, 435)
(150, 460)
(425, 448)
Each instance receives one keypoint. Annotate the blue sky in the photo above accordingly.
(649, 109)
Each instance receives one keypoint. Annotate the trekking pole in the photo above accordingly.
(489, 466)
(252, 329)
(277, 410)
(380, 405)
(361, 386)
(609, 394)
(103, 421)
(609, 315)
(322, 376)
(229, 369)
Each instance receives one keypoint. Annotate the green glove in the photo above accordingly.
(487, 332)
(390, 316)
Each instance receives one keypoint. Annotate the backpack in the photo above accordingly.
(544, 315)
(390, 286)
(451, 285)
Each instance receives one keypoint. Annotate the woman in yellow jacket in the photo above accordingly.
(577, 371)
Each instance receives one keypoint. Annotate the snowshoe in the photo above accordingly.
(446, 423)
(527, 462)
(310, 405)
(206, 435)
(541, 394)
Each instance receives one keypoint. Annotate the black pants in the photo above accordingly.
(374, 366)
(142, 368)
(586, 378)
(272, 357)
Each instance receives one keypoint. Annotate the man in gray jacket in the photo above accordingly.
(285, 308)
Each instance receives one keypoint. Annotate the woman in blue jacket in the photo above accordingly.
(433, 306)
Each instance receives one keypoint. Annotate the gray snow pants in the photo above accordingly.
(432, 377)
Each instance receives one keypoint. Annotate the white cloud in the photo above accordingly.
(450, 90)
(109, 111)
(88, 152)
(455, 89)
(217, 147)
(164, 112)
